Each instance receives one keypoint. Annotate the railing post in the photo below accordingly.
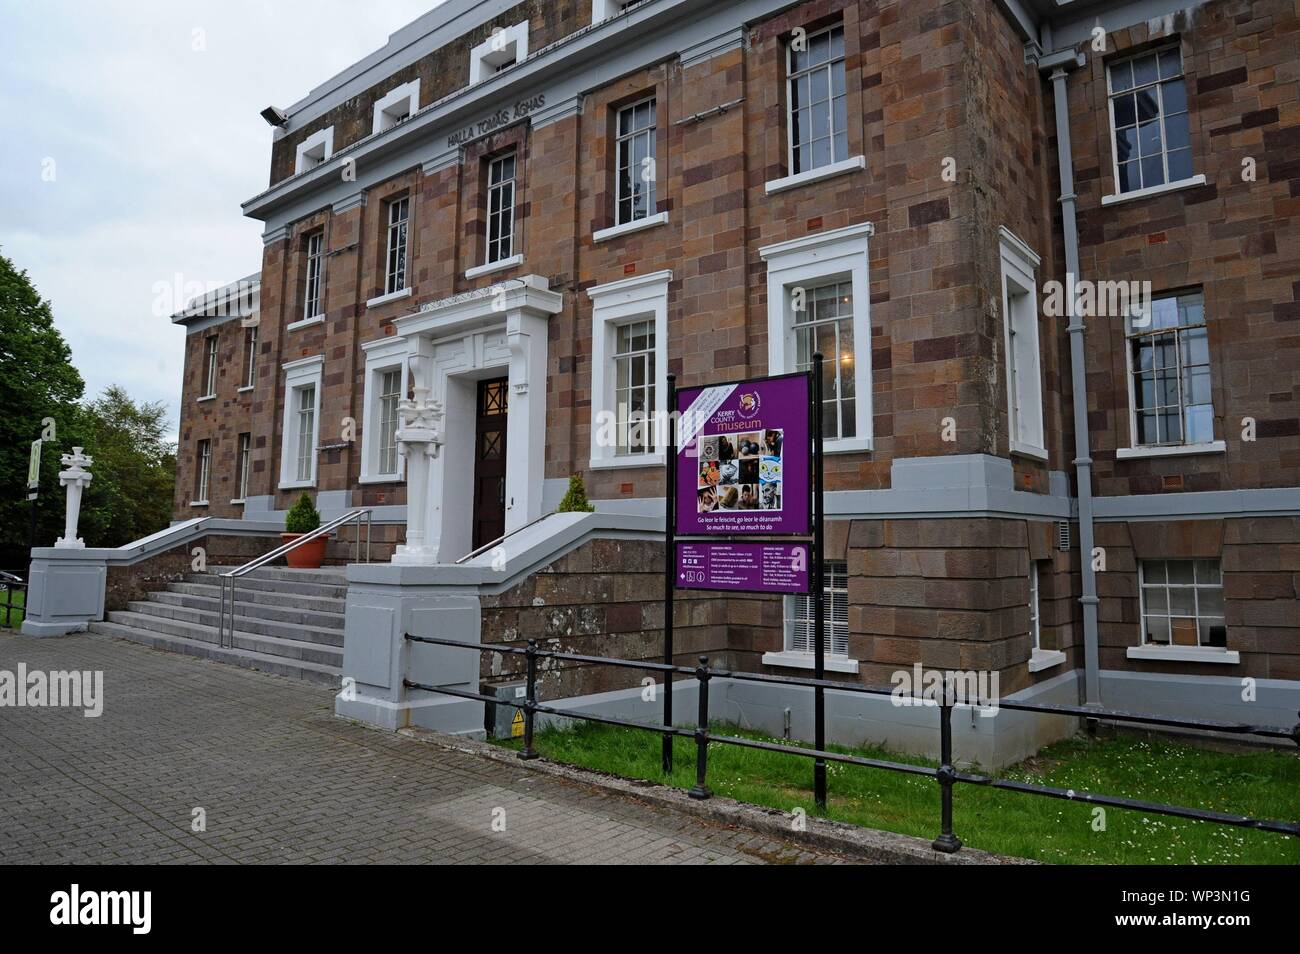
(530, 701)
(701, 791)
(947, 842)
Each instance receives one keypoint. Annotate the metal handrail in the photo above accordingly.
(499, 540)
(281, 550)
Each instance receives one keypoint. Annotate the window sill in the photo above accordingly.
(385, 299)
(1178, 186)
(1028, 450)
(245, 389)
(198, 503)
(1042, 659)
(206, 397)
(296, 484)
(380, 479)
(793, 660)
(848, 445)
(240, 501)
(630, 460)
(1171, 450)
(306, 323)
(636, 225)
(479, 270)
(1204, 654)
(816, 175)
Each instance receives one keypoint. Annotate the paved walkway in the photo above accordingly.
(281, 780)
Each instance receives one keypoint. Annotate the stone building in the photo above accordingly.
(538, 210)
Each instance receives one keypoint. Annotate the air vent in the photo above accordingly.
(1063, 536)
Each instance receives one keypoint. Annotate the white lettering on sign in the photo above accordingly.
(702, 408)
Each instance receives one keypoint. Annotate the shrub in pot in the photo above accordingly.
(302, 519)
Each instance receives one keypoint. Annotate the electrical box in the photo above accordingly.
(505, 722)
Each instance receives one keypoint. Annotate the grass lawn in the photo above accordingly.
(1259, 783)
(11, 619)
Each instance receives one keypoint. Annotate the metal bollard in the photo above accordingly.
(701, 791)
(947, 842)
(530, 701)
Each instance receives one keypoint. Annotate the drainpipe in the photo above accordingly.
(1060, 65)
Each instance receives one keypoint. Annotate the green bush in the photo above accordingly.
(575, 501)
(303, 517)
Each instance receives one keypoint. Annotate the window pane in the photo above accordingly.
(1125, 111)
(1171, 63)
(1207, 571)
(1157, 629)
(1153, 172)
(1153, 571)
(1200, 424)
(1126, 144)
(1121, 77)
(1149, 138)
(1209, 600)
(1157, 600)
(1147, 108)
(1144, 70)
(1180, 165)
(1129, 177)
(1180, 571)
(1175, 96)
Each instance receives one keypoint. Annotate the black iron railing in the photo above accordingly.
(945, 774)
(9, 610)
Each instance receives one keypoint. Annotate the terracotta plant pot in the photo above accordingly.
(309, 556)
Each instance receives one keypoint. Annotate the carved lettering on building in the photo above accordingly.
(502, 117)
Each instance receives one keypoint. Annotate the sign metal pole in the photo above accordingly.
(670, 569)
(33, 489)
(819, 586)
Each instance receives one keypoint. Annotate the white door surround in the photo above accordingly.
(453, 344)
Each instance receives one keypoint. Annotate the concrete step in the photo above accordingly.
(270, 611)
(277, 646)
(331, 591)
(314, 672)
(330, 575)
(261, 597)
(252, 625)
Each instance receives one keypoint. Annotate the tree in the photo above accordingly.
(37, 381)
(130, 495)
(575, 499)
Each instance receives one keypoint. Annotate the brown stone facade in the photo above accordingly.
(958, 133)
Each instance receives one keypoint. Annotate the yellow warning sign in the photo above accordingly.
(517, 725)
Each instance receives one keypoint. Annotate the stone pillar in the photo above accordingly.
(418, 441)
(75, 478)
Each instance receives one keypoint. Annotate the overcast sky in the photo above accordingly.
(129, 135)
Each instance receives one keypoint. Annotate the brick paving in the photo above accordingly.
(282, 780)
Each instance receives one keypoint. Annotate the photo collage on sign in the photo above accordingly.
(740, 471)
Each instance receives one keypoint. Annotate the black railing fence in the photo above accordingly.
(945, 774)
(12, 612)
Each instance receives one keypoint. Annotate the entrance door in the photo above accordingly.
(490, 462)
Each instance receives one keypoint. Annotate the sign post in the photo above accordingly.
(33, 488)
(743, 504)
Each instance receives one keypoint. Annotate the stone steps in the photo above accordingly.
(325, 675)
(287, 622)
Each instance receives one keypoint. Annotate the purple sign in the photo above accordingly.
(743, 458)
(753, 567)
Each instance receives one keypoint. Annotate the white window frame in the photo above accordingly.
(505, 48)
(1022, 365)
(243, 465)
(396, 107)
(1171, 651)
(313, 305)
(250, 358)
(1039, 658)
(305, 372)
(1168, 185)
(839, 255)
(793, 657)
(1136, 450)
(313, 151)
(615, 304)
(606, 9)
(203, 463)
(512, 183)
(651, 188)
(791, 78)
(391, 230)
(211, 350)
(383, 354)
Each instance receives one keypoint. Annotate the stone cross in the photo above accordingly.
(75, 478)
(418, 441)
